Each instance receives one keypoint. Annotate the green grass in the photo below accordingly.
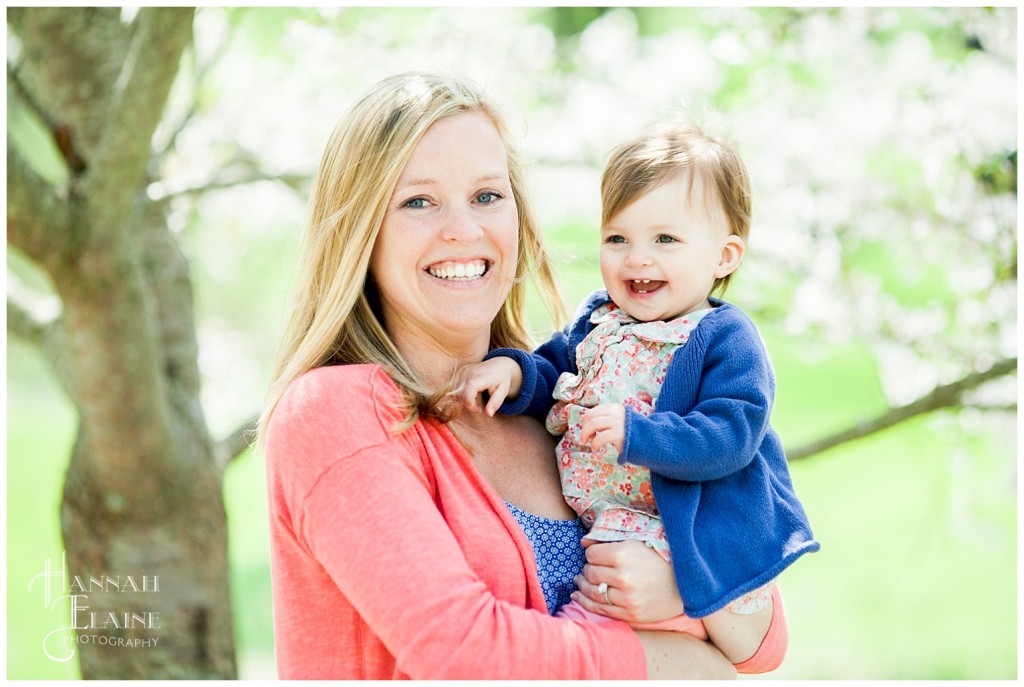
(916, 578)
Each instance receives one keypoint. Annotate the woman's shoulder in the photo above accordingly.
(331, 383)
(357, 403)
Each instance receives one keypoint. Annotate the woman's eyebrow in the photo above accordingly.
(427, 181)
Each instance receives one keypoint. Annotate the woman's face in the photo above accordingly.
(446, 253)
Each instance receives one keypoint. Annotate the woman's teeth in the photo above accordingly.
(458, 271)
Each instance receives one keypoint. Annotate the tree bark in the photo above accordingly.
(142, 497)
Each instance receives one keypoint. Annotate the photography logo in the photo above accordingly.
(89, 626)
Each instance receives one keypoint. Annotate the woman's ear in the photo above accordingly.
(732, 256)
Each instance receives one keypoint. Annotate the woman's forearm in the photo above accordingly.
(679, 656)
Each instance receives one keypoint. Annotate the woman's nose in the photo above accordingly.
(460, 224)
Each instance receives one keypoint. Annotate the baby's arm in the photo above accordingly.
(500, 377)
(539, 375)
(721, 433)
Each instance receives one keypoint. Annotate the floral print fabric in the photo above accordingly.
(621, 361)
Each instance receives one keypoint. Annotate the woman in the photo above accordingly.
(394, 551)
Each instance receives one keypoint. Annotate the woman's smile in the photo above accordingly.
(456, 271)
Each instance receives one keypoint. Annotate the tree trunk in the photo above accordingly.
(179, 625)
(142, 517)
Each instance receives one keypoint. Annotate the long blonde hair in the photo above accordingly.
(336, 319)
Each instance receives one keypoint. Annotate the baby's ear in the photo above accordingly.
(732, 256)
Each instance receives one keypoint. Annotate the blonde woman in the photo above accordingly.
(396, 541)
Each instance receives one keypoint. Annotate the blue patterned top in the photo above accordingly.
(560, 556)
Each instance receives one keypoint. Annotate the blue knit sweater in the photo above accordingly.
(718, 471)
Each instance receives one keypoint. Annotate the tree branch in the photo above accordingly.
(70, 63)
(201, 72)
(163, 192)
(946, 396)
(236, 443)
(38, 219)
(119, 170)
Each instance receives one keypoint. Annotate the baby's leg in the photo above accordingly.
(693, 626)
(681, 623)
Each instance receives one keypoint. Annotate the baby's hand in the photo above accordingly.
(500, 377)
(603, 425)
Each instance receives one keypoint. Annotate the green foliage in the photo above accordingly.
(998, 174)
(568, 21)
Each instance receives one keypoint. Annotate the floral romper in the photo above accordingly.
(620, 361)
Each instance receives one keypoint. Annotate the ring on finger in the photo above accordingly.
(603, 589)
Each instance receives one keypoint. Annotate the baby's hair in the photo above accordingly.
(679, 150)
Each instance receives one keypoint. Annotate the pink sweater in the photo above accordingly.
(392, 557)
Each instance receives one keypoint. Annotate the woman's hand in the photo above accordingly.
(641, 587)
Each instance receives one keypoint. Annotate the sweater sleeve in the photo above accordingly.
(369, 518)
(722, 431)
(541, 370)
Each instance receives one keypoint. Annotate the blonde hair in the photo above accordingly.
(670, 152)
(336, 318)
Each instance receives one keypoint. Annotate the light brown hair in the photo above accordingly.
(673, 151)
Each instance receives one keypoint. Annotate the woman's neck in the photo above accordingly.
(435, 361)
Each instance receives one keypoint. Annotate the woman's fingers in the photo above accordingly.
(644, 582)
(593, 599)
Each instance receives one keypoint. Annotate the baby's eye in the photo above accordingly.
(488, 197)
(665, 238)
(415, 203)
(615, 238)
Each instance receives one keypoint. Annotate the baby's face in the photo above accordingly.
(661, 254)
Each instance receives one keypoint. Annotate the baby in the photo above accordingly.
(662, 392)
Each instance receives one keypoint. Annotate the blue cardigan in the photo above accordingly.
(718, 471)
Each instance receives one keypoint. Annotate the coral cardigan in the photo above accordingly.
(391, 557)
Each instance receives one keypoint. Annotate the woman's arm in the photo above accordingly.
(674, 654)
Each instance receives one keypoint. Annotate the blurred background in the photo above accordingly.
(881, 270)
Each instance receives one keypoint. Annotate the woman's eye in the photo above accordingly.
(665, 238)
(487, 197)
(415, 203)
